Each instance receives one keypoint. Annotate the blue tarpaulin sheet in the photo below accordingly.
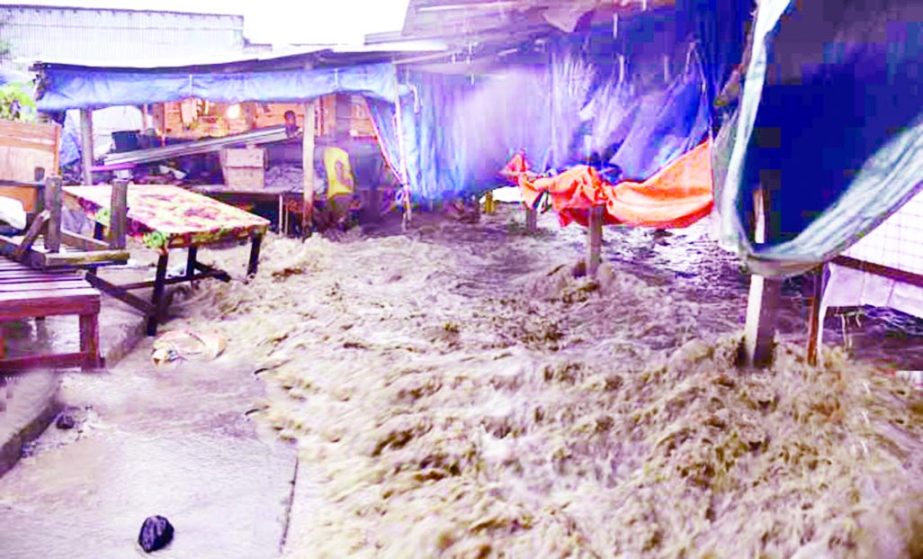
(72, 88)
(591, 93)
(830, 112)
(638, 98)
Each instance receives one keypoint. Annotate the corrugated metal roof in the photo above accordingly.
(462, 19)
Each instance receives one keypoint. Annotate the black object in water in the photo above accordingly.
(156, 533)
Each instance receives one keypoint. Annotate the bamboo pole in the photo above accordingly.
(86, 143)
(307, 155)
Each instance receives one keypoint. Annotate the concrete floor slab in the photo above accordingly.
(173, 441)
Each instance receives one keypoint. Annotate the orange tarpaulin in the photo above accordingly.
(677, 196)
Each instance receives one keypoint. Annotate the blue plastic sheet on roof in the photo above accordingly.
(72, 88)
(830, 108)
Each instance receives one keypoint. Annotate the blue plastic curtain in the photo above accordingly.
(611, 92)
(830, 111)
(384, 118)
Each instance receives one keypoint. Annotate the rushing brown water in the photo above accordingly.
(456, 392)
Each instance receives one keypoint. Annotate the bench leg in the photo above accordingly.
(157, 296)
(89, 341)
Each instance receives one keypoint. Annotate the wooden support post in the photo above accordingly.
(815, 324)
(86, 144)
(89, 341)
(763, 301)
(157, 295)
(594, 240)
(254, 265)
(118, 215)
(307, 162)
(531, 220)
(53, 206)
(191, 262)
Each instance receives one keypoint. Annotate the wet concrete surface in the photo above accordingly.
(28, 403)
(174, 441)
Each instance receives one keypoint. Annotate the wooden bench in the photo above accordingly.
(27, 293)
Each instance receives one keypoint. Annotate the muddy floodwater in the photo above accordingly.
(456, 392)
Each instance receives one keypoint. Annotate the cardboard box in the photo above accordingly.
(244, 168)
(243, 157)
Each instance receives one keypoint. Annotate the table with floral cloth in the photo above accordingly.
(167, 217)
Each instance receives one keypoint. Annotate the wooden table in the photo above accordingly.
(26, 293)
(163, 218)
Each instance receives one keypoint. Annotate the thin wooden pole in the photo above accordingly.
(763, 301)
(307, 156)
(118, 214)
(815, 325)
(86, 142)
(594, 240)
(53, 206)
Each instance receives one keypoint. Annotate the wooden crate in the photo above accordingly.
(23, 147)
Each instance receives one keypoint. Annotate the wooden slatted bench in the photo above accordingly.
(28, 293)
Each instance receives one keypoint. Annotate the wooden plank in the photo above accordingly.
(880, 270)
(30, 286)
(53, 206)
(122, 294)
(86, 144)
(20, 308)
(58, 361)
(79, 294)
(217, 274)
(41, 279)
(36, 229)
(78, 259)
(44, 133)
(82, 242)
